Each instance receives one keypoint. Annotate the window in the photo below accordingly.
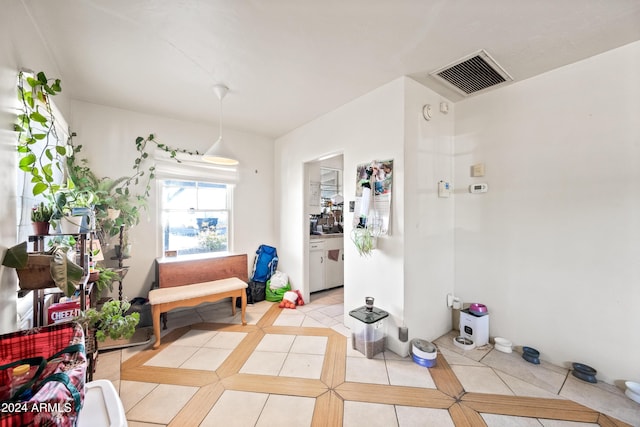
(195, 216)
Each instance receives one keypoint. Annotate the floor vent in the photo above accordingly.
(472, 74)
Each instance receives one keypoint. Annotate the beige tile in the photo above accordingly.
(454, 358)
(194, 338)
(409, 374)
(237, 409)
(132, 392)
(326, 320)
(358, 414)
(286, 411)
(560, 423)
(207, 359)
(309, 345)
(341, 329)
(480, 380)
(409, 416)
(138, 424)
(172, 356)
(524, 388)
(604, 398)
(276, 342)
(264, 363)
(332, 310)
(546, 376)
(302, 366)
(493, 420)
(228, 340)
(363, 370)
(308, 322)
(289, 319)
(108, 366)
(162, 404)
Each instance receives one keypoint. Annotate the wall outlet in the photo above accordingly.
(450, 300)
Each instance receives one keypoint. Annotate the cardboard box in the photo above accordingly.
(63, 312)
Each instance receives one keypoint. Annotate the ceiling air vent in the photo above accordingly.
(472, 74)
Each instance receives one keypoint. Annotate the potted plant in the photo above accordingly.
(40, 217)
(73, 208)
(111, 320)
(364, 240)
(44, 270)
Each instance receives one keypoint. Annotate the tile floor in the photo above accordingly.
(297, 368)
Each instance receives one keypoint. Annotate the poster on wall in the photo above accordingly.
(373, 196)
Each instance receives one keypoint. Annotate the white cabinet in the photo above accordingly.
(326, 263)
(316, 265)
(334, 262)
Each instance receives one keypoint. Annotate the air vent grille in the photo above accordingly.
(473, 73)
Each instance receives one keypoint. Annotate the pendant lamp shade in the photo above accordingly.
(219, 153)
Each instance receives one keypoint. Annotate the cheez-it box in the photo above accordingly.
(63, 312)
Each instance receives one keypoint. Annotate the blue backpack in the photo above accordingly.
(265, 264)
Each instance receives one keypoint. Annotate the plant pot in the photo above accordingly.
(70, 224)
(40, 228)
(37, 274)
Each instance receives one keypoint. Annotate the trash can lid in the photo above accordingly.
(366, 316)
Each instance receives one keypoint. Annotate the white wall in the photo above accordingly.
(20, 47)
(428, 219)
(553, 249)
(108, 138)
(371, 127)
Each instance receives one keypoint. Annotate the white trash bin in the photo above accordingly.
(102, 406)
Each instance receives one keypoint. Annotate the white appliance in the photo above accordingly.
(474, 327)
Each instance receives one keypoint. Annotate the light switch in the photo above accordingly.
(477, 170)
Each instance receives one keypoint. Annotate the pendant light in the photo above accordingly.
(218, 153)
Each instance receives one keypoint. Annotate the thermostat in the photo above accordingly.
(478, 188)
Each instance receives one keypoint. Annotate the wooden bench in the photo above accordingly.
(192, 280)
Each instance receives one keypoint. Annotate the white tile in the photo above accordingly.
(237, 409)
(308, 322)
(358, 414)
(132, 392)
(494, 420)
(480, 380)
(604, 398)
(172, 356)
(454, 358)
(302, 366)
(363, 370)
(409, 416)
(560, 423)
(525, 388)
(194, 338)
(286, 411)
(341, 329)
(228, 340)
(322, 318)
(289, 320)
(162, 404)
(309, 345)
(276, 342)
(206, 359)
(409, 374)
(332, 310)
(264, 363)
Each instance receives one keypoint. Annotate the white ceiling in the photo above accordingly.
(287, 62)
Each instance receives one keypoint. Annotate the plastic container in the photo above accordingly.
(424, 353)
(102, 406)
(20, 375)
(369, 332)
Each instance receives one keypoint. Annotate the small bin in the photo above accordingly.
(369, 331)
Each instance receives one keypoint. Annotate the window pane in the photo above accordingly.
(194, 217)
(212, 196)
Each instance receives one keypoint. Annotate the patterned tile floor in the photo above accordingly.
(297, 368)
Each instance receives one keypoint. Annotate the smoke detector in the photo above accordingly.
(472, 74)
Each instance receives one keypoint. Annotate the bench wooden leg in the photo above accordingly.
(155, 314)
(243, 306)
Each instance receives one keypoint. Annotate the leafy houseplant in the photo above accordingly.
(364, 240)
(40, 217)
(39, 271)
(111, 320)
(39, 145)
